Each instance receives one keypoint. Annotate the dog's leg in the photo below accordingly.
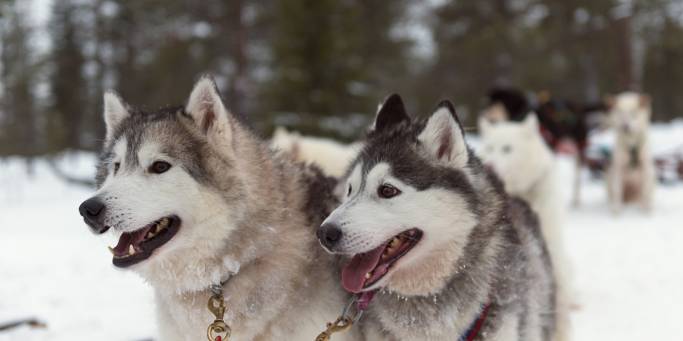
(649, 182)
(576, 196)
(615, 184)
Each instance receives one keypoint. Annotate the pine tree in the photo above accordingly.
(19, 130)
(332, 58)
(68, 85)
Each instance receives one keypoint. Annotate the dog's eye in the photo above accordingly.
(507, 149)
(159, 167)
(349, 191)
(387, 191)
(117, 165)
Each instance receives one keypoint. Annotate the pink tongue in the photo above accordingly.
(353, 274)
(128, 238)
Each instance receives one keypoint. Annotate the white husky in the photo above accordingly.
(331, 156)
(631, 175)
(198, 202)
(519, 155)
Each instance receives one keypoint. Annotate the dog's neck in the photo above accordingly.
(541, 187)
(632, 140)
(464, 293)
(270, 251)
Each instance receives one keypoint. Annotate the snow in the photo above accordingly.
(626, 270)
(53, 268)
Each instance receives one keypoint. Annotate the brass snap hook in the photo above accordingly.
(217, 306)
(218, 330)
(342, 323)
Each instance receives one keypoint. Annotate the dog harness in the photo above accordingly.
(476, 326)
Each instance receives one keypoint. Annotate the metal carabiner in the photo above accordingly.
(218, 330)
(342, 323)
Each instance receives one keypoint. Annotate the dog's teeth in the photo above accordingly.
(164, 222)
(131, 250)
(368, 275)
(394, 242)
(111, 249)
(149, 235)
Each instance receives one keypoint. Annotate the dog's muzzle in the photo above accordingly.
(92, 211)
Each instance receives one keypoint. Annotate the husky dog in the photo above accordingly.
(331, 156)
(631, 175)
(432, 233)
(197, 200)
(518, 155)
(563, 124)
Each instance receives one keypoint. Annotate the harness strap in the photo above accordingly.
(476, 326)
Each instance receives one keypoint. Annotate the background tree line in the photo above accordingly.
(321, 66)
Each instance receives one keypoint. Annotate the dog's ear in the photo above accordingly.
(115, 111)
(531, 123)
(207, 110)
(443, 138)
(390, 113)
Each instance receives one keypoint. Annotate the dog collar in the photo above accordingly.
(476, 326)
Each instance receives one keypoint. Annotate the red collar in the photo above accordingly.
(476, 326)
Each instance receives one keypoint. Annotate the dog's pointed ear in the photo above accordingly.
(115, 111)
(207, 110)
(443, 138)
(531, 123)
(390, 113)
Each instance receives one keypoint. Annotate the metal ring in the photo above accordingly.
(346, 310)
(218, 327)
(216, 289)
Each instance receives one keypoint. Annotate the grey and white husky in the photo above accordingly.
(195, 200)
(448, 254)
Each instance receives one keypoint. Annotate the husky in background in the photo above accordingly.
(433, 235)
(518, 155)
(196, 200)
(331, 156)
(631, 174)
(563, 124)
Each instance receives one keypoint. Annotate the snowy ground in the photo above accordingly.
(627, 272)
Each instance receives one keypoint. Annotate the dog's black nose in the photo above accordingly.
(91, 208)
(92, 211)
(329, 235)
